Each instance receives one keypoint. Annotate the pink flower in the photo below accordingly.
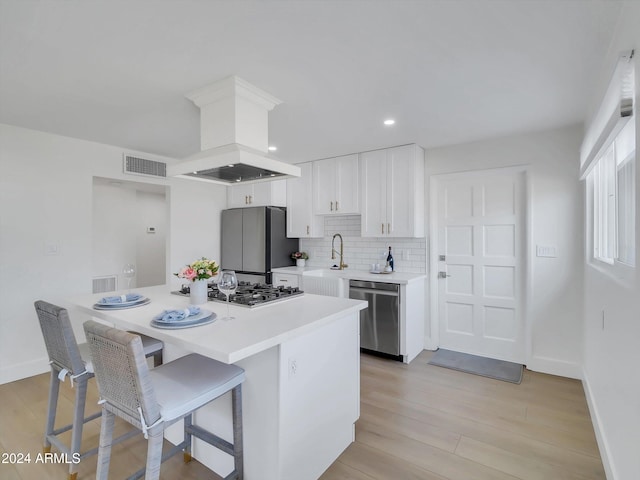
(189, 273)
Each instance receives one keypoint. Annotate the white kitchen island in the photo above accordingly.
(301, 396)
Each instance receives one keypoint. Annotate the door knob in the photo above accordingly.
(443, 275)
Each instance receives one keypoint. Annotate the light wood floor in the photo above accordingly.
(416, 422)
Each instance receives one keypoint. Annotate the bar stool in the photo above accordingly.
(152, 400)
(68, 358)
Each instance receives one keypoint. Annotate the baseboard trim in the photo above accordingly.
(23, 370)
(553, 366)
(601, 438)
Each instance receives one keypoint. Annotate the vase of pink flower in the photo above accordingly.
(300, 258)
(199, 273)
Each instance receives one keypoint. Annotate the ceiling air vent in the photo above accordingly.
(143, 166)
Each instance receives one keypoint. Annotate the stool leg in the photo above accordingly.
(78, 420)
(106, 438)
(154, 455)
(238, 450)
(54, 390)
(157, 358)
(188, 421)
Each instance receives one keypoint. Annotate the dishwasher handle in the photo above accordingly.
(379, 287)
(374, 291)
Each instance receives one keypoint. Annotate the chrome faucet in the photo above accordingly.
(333, 251)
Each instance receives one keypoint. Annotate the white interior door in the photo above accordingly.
(480, 228)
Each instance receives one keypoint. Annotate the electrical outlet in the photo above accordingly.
(293, 367)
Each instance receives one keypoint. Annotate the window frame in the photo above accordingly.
(605, 203)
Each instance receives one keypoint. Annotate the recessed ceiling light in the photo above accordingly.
(272, 175)
(230, 165)
(272, 148)
(195, 173)
(238, 179)
(389, 121)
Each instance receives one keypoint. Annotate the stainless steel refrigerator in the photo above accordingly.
(254, 240)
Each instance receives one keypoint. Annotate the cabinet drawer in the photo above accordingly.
(285, 279)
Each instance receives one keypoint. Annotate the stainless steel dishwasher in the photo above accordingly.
(380, 323)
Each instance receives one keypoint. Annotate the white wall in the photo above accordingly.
(121, 216)
(151, 257)
(46, 190)
(612, 353)
(113, 243)
(554, 314)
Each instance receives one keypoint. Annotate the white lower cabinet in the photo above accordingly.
(412, 319)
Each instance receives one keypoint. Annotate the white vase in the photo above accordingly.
(300, 262)
(198, 292)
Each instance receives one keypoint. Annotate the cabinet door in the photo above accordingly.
(405, 191)
(269, 194)
(347, 191)
(301, 222)
(238, 195)
(373, 181)
(324, 186)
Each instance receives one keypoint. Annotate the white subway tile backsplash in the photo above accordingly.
(359, 253)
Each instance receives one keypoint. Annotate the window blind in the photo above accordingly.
(614, 112)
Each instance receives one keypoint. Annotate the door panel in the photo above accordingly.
(461, 280)
(254, 239)
(499, 241)
(374, 193)
(500, 323)
(324, 186)
(459, 318)
(499, 281)
(459, 240)
(231, 258)
(347, 182)
(401, 191)
(481, 233)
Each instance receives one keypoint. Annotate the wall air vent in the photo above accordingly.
(108, 283)
(142, 166)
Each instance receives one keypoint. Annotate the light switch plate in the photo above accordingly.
(52, 248)
(546, 251)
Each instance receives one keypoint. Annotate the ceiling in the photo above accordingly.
(448, 72)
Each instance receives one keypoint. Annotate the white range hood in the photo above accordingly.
(234, 136)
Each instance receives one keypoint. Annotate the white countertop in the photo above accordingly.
(252, 331)
(394, 277)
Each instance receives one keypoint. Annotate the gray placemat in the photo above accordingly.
(486, 367)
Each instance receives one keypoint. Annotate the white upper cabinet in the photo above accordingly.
(392, 184)
(258, 194)
(335, 186)
(301, 222)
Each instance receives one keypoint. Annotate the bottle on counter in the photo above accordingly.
(390, 260)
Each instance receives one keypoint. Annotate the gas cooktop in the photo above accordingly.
(248, 294)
